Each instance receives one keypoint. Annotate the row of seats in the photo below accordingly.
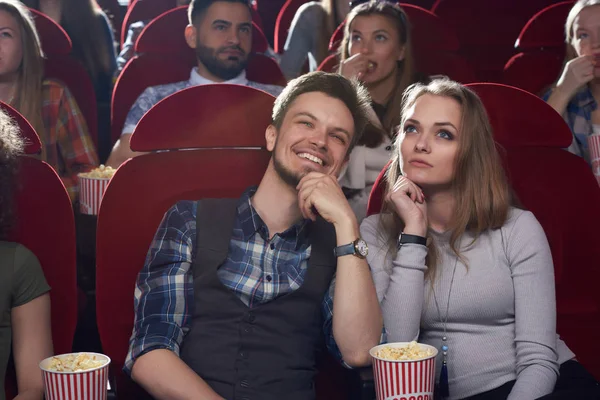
(224, 159)
(161, 47)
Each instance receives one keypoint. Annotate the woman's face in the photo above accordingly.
(586, 35)
(11, 50)
(429, 141)
(376, 37)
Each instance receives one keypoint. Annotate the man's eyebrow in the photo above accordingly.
(221, 21)
(311, 116)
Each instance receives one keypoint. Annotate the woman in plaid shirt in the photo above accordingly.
(46, 104)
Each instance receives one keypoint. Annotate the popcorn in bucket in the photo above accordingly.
(404, 371)
(75, 376)
(91, 188)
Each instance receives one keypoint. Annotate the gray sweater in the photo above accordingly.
(502, 316)
(303, 40)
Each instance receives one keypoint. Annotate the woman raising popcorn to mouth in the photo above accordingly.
(457, 266)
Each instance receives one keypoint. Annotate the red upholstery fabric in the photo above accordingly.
(32, 140)
(133, 200)
(284, 20)
(268, 11)
(207, 116)
(164, 34)
(488, 30)
(376, 197)
(546, 28)
(73, 75)
(143, 11)
(140, 73)
(55, 40)
(329, 64)
(535, 70)
(46, 226)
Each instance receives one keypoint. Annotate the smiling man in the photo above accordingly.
(237, 295)
(220, 32)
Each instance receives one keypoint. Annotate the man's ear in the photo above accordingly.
(190, 36)
(271, 137)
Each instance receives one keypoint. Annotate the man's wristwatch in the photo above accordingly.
(406, 238)
(357, 248)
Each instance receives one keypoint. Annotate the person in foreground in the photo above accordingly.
(457, 266)
(24, 297)
(237, 295)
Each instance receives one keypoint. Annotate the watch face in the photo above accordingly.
(362, 248)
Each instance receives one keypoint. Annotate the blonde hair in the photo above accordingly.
(579, 6)
(28, 89)
(328, 26)
(480, 188)
(405, 72)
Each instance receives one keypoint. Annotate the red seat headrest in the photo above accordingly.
(54, 38)
(510, 111)
(546, 28)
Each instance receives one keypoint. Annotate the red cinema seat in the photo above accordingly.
(488, 30)
(60, 66)
(330, 63)
(208, 116)
(541, 46)
(269, 11)
(45, 225)
(131, 199)
(283, 23)
(144, 11)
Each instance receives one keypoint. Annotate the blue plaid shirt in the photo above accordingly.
(257, 270)
(578, 116)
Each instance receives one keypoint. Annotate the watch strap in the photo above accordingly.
(406, 238)
(344, 250)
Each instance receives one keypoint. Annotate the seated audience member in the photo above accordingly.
(457, 266)
(133, 32)
(220, 31)
(248, 316)
(576, 93)
(309, 34)
(47, 104)
(92, 37)
(24, 298)
(376, 50)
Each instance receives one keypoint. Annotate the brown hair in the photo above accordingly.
(405, 73)
(197, 8)
(480, 187)
(354, 95)
(28, 90)
(11, 147)
(83, 21)
(570, 52)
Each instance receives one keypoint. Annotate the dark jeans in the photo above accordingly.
(574, 383)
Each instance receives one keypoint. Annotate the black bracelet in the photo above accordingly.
(407, 238)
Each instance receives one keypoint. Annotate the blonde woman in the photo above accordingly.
(47, 104)
(458, 267)
(309, 34)
(376, 50)
(576, 93)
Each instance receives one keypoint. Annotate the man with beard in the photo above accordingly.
(220, 31)
(236, 298)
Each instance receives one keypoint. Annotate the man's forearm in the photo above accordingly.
(166, 377)
(357, 320)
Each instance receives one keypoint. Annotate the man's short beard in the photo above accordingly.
(289, 177)
(208, 57)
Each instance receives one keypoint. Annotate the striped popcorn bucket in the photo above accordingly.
(403, 380)
(594, 144)
(91, 191)
(91, 384)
